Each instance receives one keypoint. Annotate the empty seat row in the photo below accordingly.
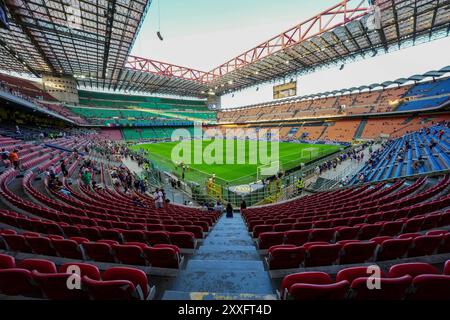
(267, 238)
(414, 281)
(354, 251)
(133, 253)
(178, 236)
(39, 278)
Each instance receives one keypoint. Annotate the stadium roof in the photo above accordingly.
(95, 47)
(431, 75)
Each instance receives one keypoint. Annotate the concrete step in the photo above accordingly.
(224, 241)
(254, 282)
(183, 295)
(224, 265)
(226, 248)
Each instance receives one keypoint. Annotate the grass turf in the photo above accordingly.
(290, 156)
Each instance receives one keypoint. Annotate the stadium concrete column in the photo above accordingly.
(62, 88)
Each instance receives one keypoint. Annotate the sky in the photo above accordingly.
(203, 34)
(403, 63)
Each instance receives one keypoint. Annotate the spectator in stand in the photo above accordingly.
(86, 177)
(15, 159)
(158, 196)
(5, 157)
(64, 170)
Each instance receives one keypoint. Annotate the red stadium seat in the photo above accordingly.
(425, 245)
(183, 240)
(111, 234)
(302, 226)
(322, 255)
(447, 268)
(392, 249)
(86, 269)
(7, 262)
(196, 230)
(351, 274)
(16, 242)
(133, 236)
(296, 237)
(391, 228)
(430, 287)
(157, 237)
(135, 276)
(285, 257)
(369, 231)
(110, 290)
(346, 233)
(445, 245)
(41, 245)
(358, 252)
(257, 230)
(314, 292)
(303, 277)
(68, 249)
(413, 269)
(282, 227)
(390, 288)
(54, 286)
(326, 235)
(42, 266)
(79, 240)
(269, 239)
(129, 254)
(98, 251)
(173, 228)
(163, 257)
(17, 282)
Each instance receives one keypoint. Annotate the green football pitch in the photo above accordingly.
(290, 155)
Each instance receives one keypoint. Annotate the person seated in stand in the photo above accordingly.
(5, 157)
(137, 201)
(419, 163)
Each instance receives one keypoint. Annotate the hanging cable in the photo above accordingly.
(158, 33)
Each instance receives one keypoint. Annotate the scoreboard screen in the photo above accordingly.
(285, 90)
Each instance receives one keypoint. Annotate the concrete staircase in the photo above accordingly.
(226, 266)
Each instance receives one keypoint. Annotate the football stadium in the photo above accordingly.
(137, 165)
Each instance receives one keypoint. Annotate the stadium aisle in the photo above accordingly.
(226, 266)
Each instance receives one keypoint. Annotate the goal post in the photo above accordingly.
(268, 170)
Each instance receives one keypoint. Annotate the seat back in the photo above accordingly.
(306, 291)
(7, 262)
(40, 265)
(162, 257)
(15, 282)
(314, 277)
(55, 286)
(286, 258)
(390, 288)
(135, 276)
(110, 290)
(431, 287)
(413, 269)
(86, 269)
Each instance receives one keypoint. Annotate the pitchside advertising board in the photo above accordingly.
(285, 90)
(3, 17)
